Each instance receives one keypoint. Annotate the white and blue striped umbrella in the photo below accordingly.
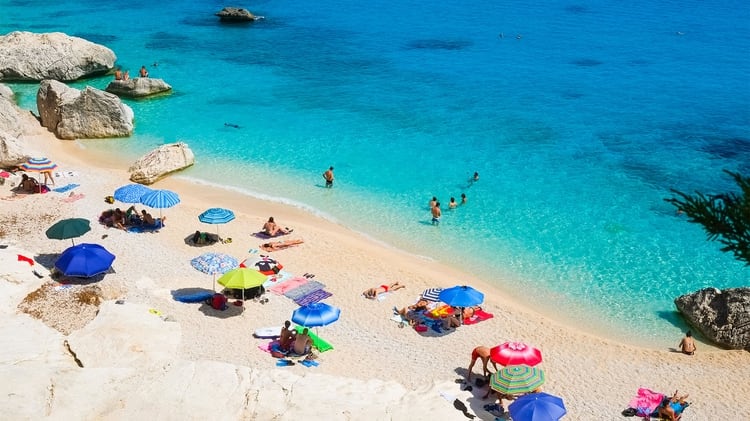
(131, 193)
(160, 199)
(432, 294)
(216, 216)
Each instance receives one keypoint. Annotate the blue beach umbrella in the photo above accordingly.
(537, 407)
(461, 296)
(214, 263)
(160, 199)
(316, 314)
(84, 260)
(216, 216)
(131, 193)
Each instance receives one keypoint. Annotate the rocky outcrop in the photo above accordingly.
(236, 14)
(160, 162)
(88, 114)
(6, 92)
(138, 88)
(11, 128)
(721, 316)
(28, 56)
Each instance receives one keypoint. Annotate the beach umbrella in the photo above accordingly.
(461, 296)
(131, 193)
(69, 229)
(38, 165)
(84, 260)
(515, 353)
(537, 407)
(160, 199)
(432, 294)
(516, 379)
(216, 216)
(316, 314)
(214, 263)
(242, 278)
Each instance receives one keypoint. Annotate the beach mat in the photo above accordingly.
(263, 235)
(146, 228)
(313, 297)
(318, 343)
(65, 188)
(288, 285)
(197, 297)
(302, 290)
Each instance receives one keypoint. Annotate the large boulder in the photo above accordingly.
(236, 14)
(160, 162)
(27, 56)
(138, 87)
(11, 128)
(721, 316)
(88, 114)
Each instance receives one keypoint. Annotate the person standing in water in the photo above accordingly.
(436, 214)
(328, 175)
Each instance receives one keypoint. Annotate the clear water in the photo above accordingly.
(579, 128)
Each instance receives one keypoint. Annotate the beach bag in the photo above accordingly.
(219, 302)
(109, 199)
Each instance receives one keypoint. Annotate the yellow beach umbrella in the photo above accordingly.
(242, 278)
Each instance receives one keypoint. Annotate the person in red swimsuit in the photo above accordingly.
(372, 293)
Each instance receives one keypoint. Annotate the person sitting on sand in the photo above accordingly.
(450, 321)
(672, 410)
(372, 293)
(302, 343)
(279, 245)
(118, 219)
(29, 184)
(412, 312)
(687, 344)
(287, 336)
(132, 217)
(147, 218)
(271, 229)
(483, 353)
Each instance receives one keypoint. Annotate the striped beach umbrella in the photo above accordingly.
(516, 379)
(432, 294)
(160, 199)
(216, 216)
(38, 165)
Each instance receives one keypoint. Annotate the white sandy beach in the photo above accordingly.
(189, 361)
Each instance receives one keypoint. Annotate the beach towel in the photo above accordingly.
(267, 347)
(196, 297)
(289, 285)
(261, 234)
(646, 402)
(479, 315)
(313, 297)
(147, 228)
(65, 188)
(276, 279)
(317, 342)
(73, 198)
(302, 290)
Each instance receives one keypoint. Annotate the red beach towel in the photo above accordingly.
(289, 285)
(478, 316)
(29, 260)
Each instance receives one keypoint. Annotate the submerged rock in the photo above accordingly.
(721, 316)
(27, 56)
(138, 88)
(91, 113)
(160, 162)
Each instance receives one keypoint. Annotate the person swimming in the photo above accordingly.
(232, 125)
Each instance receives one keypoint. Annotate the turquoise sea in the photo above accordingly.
(579, 117)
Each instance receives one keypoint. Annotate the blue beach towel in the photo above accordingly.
(146, 228)
(65, 188)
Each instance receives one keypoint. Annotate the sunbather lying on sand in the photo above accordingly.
(279, 245)
(372, 293)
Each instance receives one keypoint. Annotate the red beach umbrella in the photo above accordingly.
(516, 353)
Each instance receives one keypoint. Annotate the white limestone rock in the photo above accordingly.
(138, 88)
(160, 162)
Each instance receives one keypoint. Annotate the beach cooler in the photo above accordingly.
(219, 302)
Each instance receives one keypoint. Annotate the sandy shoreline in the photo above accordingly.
(595, 376)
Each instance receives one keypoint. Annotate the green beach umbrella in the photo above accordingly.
(69, 229)
(516, 379)
(242, 278)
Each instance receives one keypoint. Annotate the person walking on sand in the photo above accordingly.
(482, 352)
(328, 176)
(687, 344)
(436, 214)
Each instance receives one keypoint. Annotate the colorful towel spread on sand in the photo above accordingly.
(302, 290)
(479, 315)
(646, 402)
(147, 228)
(267, 347)
(277, 279)
(313, 297)
(289, 285)
(318, 343)
(65, 188)
(73, 198)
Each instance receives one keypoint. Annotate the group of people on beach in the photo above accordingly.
(434, 204)
(131, 217)
(119, 75)
(290, 341)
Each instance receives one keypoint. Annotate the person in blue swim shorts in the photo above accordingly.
(436, 214)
